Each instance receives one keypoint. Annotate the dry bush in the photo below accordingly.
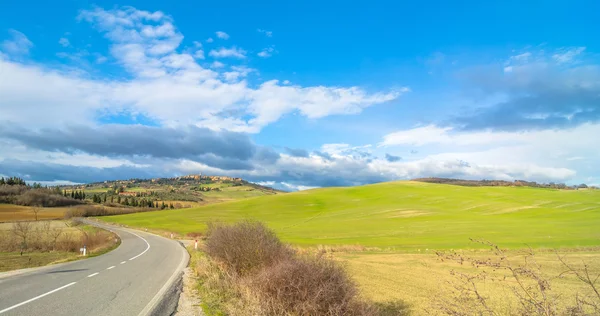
(8, 193)
(526, 280)
(244, 247)
(90, 210)
(45, 198)
(308, 285)
(249, 271)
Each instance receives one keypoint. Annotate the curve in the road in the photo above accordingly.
(112, 284)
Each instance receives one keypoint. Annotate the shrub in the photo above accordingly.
(249, 271)
(44, 197)
(245, 247)
(309, 285)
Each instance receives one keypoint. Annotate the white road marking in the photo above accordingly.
(110, 268)
(37, 297)
(124, 262)
(93, 274)
(147, 247)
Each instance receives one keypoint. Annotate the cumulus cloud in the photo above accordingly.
(222, 149)
(222, 35)
(18, 44)
(267, 52)
(534, 91)
(232, 52)
(146, 44)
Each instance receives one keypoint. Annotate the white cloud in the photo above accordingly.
(210, 40)
(228, 52)
(64, 42)
(199, 54)
(237, 72)
(267, 52)
(567, 55)
(267, 33)
(19, 44)
(286, 82)
(101, 59)
(162, 74)
(217, 64)
(222, 35)
(557, 153)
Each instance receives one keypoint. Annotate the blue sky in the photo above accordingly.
(299, 95)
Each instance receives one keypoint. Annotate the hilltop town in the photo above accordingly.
(182, 191)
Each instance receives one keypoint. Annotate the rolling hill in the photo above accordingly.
(405, 215)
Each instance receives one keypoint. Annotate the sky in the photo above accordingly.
(301, 94)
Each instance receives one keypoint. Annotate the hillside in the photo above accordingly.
(184, 191)
(406, 216)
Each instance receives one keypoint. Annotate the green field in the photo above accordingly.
(405, 216)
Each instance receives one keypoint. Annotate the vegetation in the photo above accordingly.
(19, 194)
(405, 216)
(502, 183)
(248, 271)
(180, 192)
(28, 244)
(387, 234)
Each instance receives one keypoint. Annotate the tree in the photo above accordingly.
(104, 198)
(2, 181)
(119, 199)
(72, 194)
(126, 202)
(35, 211)
(162, 207)
(22, 230)
(83, 195)
(112, 198)
(171, 206)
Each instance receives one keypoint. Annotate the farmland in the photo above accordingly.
(405, 216)
(10, 212)
(387, 234)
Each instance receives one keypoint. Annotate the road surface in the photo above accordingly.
(135, 279)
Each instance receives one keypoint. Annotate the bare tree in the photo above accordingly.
(22, 230)
(35, 211)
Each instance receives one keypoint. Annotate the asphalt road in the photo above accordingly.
(130, 280)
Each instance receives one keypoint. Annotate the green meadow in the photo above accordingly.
(404, 216)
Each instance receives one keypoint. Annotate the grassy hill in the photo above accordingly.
(406, 216)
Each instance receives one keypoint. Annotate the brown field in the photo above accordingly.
(423, 280)
(43, 249)
(10, 212)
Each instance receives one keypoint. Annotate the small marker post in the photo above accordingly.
(196, 245)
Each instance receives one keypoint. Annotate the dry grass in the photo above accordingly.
(245, 247)
(10, 212)
(248, 271)
(29, 244)
(418, 278)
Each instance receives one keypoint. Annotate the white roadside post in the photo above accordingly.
(196, 245)
(171, 235)
(84, 250)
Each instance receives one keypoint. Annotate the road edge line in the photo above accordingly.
(177, 274)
